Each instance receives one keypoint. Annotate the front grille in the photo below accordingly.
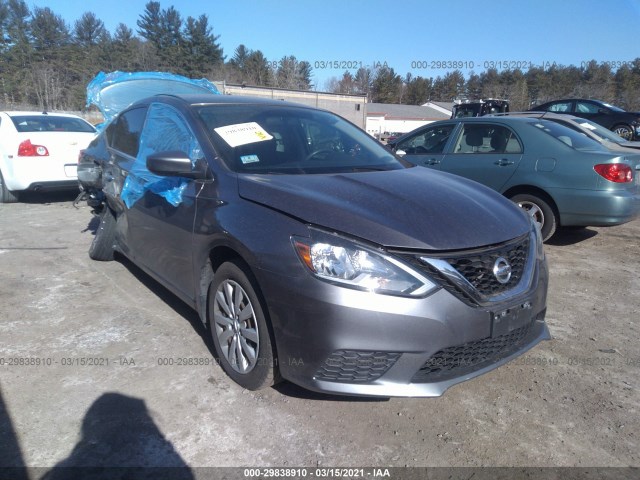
(463, 359)
(351, 366)
(476, 267)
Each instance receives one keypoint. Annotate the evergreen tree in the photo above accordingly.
(386, 86)
(49, 31)
(89, 30)
(418, 91)
(202, 53)
(256, 70)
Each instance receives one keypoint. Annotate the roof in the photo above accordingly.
(208, 99)
(13, 113)
(405, 112)
(448, 106)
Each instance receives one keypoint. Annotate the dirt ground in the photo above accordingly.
(90, 372)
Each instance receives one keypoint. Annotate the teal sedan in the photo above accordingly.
(561, 177)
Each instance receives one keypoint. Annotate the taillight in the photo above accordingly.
(615, 172)
(27, 149)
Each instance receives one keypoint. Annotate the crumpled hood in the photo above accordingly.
(115, 91)
(409, 208)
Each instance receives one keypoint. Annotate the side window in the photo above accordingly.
(560, 107)
(586, 107)
(487, 138)
(431, 140)
(124, 133)
(166, 130)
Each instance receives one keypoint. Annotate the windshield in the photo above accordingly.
(569, 137)
(291, 140)
(613, 107)
(50, 123)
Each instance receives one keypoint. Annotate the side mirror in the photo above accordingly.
(603, 111)
(173, 164)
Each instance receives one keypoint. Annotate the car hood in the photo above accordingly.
(409, 208)
(115, 91)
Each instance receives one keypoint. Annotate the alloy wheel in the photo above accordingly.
(236, 326)
(624, 131)
(534, 211)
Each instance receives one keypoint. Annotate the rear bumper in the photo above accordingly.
(52, 186)
(39, 173)
(597, 207)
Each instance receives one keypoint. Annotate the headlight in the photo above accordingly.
(346, 263)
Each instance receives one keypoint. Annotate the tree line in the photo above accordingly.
(46, 63)
(523, 89)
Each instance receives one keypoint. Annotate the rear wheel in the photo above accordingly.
(624, 131)
(542, 213)
(102, 246)
(6, 195)
(239, 328)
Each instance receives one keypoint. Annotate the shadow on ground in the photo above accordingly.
(571, 236)
(48, 197)
(120, 440)
(11, 459)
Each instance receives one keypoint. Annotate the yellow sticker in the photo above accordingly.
(243, 134)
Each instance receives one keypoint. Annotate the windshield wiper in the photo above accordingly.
(370, 169)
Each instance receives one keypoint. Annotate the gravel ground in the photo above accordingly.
(102, 390)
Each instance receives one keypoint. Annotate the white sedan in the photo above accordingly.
(39, 151)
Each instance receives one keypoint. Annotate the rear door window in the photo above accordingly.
(487, 138)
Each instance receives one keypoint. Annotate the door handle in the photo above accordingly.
(503, 162)
(432, 161)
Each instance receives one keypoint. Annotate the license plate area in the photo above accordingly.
(507, 320)
(71, 170)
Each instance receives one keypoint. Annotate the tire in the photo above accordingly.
(240, 336)
(624, 131)
(6, 195)
(541, 211)
(101, 248)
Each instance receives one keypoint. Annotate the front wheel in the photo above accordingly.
(239, 328)
(624, 131)
(540, 211)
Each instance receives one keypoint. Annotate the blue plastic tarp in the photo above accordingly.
(115, 91)
(164, 130)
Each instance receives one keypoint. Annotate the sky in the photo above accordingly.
(423, 37)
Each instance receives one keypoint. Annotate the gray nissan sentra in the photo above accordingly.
(310, 251)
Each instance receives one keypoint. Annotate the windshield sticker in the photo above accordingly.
(249, 159)
(243, 134)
